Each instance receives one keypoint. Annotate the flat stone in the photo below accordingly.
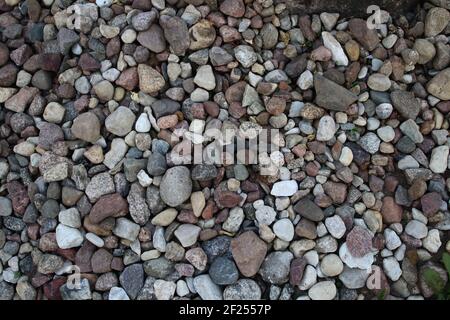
(338, 54)
(187, 234)
(359, 241)
(132, 280)
(332, 96)
(204, 78)
(243, 289)
(100, 185)
(308, 209)
(284, 188)
(206, 288)
(126, 229)
(326, 129)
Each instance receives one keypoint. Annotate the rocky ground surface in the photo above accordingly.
(96, 97)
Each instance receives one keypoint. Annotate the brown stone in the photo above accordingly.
(306, 229)
(336, 191)
(391, 211)
(226, 199)
(111, 205)
(101, 261)
(248, 251)
(359, 241)
(128, 79)
(19, 196)
(298, 266)
(276, 106)
(431, 202)
(367, 37)
(233, 8)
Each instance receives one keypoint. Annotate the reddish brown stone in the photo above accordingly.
(304, 22)
(312, 169)
(391, 211)
(87, 63)
(390, 184)
(111, 205)
(235, 92)
(211, 108)
(83, 256)
(51, 289)
(113, 47)
(431, 202)
(128, 79)
(187, 216)
(167, 122)
(101, 261)
(47, 242)
(306, 229)
(8, 75)
(226, 199)
(117, 264)
(336, 191)
(229, 34)
(298, 266)
(50, 61)
(185, 269)
(236, 110)
(248, 251)
(19, 196)
(276, 106)
(21, 54)
(359, 241)
(33, 231)
(233, 8)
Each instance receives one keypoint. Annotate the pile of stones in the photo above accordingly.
(103, 102)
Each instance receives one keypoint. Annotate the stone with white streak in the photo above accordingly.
(337, 53)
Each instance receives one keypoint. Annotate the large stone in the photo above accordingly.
(367, 37)
(275, 268)
(120, 122)
(111, 205)
(150, 80)
(308, 209)
(332, 96)
(176, 186)
(436, 21)
(86, 127)
(406, 104)
(248, 251)
(176, 33)
(439, 86)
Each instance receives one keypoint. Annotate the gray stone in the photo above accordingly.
(176, 186)
(132, 279)
(223, 271)
(276, 266)
(206, 288)
(332, 96)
